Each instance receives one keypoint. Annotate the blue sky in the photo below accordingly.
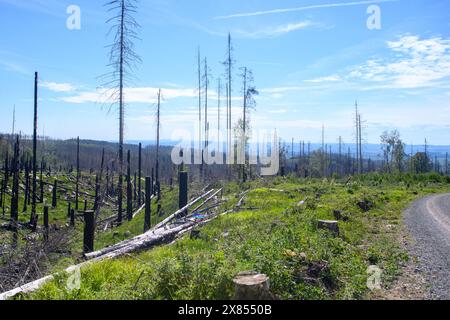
(311, 60)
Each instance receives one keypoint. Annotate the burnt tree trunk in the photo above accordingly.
(148, 204)
(46, 225)
(77, 186)
(89, 230)
(55, 194)
(140, 176)
(129, 191)
(15, 191)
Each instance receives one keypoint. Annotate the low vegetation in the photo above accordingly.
(274, 232)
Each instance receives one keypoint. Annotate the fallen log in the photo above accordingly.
(176, 214)
(207, 200)
(128, 242)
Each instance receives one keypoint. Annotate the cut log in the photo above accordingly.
(252, 286)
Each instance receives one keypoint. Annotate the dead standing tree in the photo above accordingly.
(123, 58)
(200, 147)
(158, 129)
(15, 191)
(33, 217)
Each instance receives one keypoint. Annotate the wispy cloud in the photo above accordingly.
(416, 63)
(274, 31)
(13, 67)
(333, 78)
(132, 95)
(58, 87)
(412, 62)
(286, 10)
(50, 7)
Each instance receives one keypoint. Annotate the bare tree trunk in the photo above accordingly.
(358, 153)
(200, 144)
(15, 191)
(206, 112)
(218, 115)
(140, 176)
(158, 127)
(33, 217)
(77, 185)
(129, 192)
(230, 65)
(361, 165)
(121, 113)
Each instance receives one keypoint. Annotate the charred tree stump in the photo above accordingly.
(89, 230)
(55, 194)
(46, 225)
(332, 226)
(148, 204)
(129, 191)
(183, 190)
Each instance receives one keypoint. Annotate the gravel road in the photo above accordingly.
(428, 221)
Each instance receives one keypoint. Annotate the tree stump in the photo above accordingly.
(251, 285)
(329, 225)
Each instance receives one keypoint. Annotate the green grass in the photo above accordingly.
(279, 238)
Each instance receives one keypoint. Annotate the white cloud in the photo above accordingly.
(287, 10)
(132, 95)
(416, 63)
(332, 78)
(274, 31)
(58, 87)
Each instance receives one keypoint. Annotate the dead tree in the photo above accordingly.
(46, 224)
(206, 84)
(5, 180)
(77, 184)
(148, 204)
(129, 192)
(219, 88)
(15, 192)
(229, 69)
(27, 187)
(140, 175)
(33, 217)
(361, 165)
(158, 128)
(55, 194)
(122, 61)
(357, 137)
(200, 146)
(41, 181)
